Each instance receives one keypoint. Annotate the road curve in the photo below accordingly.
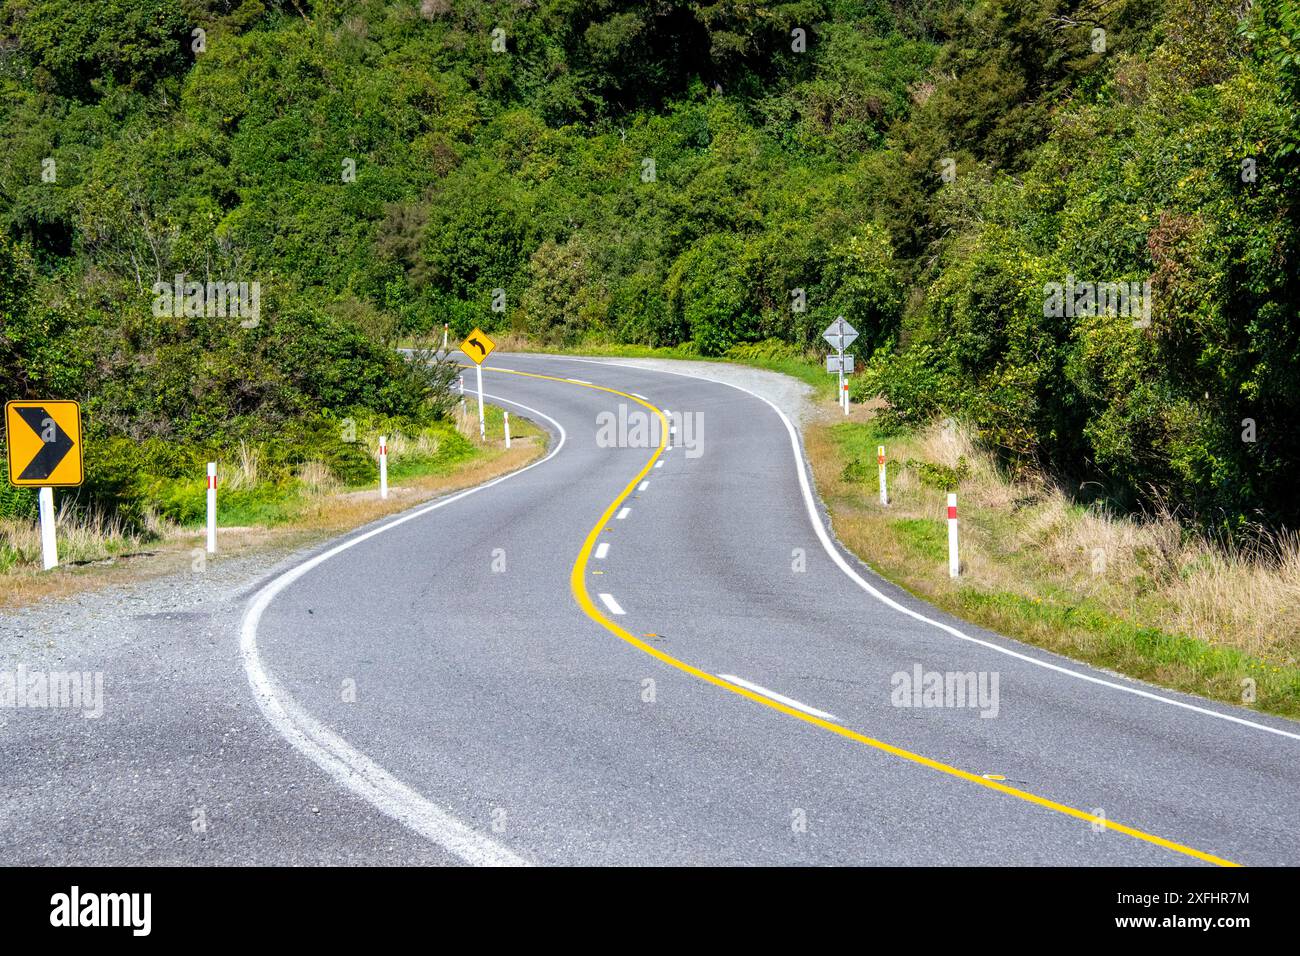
(644, 655)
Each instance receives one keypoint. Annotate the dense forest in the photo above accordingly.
(967, 181)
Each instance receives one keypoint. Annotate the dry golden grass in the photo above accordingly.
(82, 537)
(1024, 538)
(243, 471)
(317, 478)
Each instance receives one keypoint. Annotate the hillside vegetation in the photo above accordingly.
(698, 174)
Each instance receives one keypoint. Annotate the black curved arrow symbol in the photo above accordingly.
(478, 345)
(52, 452)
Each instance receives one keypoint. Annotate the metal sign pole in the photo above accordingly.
(843, 403)
(49, 551)
(482, 427)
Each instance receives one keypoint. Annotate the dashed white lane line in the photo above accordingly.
(788, 701)
(610, 603)
(659, 464)
(602, 549)
(644, 485)
(639, 395)
(579, 381)
(622, 514)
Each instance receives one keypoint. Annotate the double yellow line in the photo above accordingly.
(578, 584)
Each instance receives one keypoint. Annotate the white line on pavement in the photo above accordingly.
(622, 514)
(611, 604)
(602, 549)
(788, 701)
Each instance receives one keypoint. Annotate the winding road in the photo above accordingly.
(660, 655)
(633, 651)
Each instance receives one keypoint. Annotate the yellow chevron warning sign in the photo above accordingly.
(44, 443)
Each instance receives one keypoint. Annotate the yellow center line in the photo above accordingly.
(578, 584)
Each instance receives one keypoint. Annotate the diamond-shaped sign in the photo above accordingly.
(840, 334)
(477, 346)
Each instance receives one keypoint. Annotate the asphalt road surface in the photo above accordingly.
(639, 654)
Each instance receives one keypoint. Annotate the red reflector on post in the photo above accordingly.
(952, 511)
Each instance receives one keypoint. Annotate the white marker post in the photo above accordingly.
(444, 338)
(953, 562)
(383, 466)
(507, 421)
(462, 384)
(880, 460)
(212, 507)
(482, 426)
(49, 550)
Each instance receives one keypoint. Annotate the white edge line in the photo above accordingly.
(788, 701)
(602, 549)
(824, 537)
(611, 604)
(348, 766)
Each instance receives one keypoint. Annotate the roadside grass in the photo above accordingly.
(1142, 597)
(254, 512)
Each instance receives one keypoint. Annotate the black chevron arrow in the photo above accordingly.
(52, 452)
(478, 345)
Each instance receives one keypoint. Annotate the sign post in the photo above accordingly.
(49, 550)
(383, 466)
(482, 427)
(43, 442)
(841, 335)
(507, 425)
(478, 347)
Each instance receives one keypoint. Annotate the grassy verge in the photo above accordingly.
(1141, 597)
(256, 512)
